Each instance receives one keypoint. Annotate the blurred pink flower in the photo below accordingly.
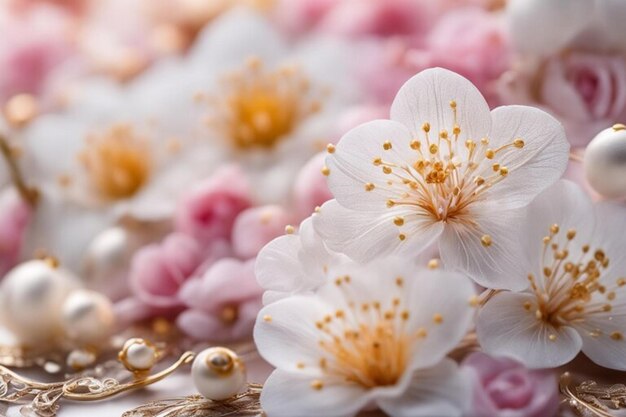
(310, 189)
(409, 19)
(585, 91)
(208, 211)
(474, 43)
(158, 271)
(223, 303)
(257, 226)
(505, 388)
(15, 216)
(36, 41)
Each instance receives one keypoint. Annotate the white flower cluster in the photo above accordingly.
(355, 319)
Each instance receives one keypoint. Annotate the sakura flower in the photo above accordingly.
(257, 226)
(574, 277)
(443, 169)
(377, 334)
(310, 189)
(105, 152)
(255, 100)
(295, 263)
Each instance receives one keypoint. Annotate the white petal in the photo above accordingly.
(233, 38)
(609, 235)
(289, 394)
(426, 98)
(565, 204)
(351, 165)
(532, 23)
(439, 302)
(285, 333)
(364, 235)
(278, 267)
(603, 349)
(440, 391)
(506, 328)
(534, 167)
(496, 266)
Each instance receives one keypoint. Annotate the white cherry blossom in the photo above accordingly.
(375, 335)
(575, 278)
(444, 169)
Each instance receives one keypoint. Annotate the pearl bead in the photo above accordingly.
(138, 355)
(218, 373)
(87, 317)
(31, 297)
(81, 359)
(605, 162)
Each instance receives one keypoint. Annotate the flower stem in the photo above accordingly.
(29, 194)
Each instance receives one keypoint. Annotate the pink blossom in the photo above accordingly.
(505, 388)
(409, 19)
(222, 304)
(257, 226)
(209, 210)
(36, 41)
(15, 216)
(585, 91)
(474, 43)
(158, 271)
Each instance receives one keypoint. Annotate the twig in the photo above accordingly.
(29, 194)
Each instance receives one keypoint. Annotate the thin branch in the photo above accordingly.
(29, 194)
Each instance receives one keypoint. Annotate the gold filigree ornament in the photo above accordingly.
(592, 399)
(41, 399)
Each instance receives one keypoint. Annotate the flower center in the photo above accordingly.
(441, 183)
(367, 343)
(569, 287)
(117, 162)
(259, 108)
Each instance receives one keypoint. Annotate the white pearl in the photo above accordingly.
(31, 296)
(106, 261)
(605, 162)
(138, 355)
(81, 359)
(218, 373)
(87, 317)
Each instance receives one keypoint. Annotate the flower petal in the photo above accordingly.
(607, 349)
(290, 394)
(494, 265)
(426, 98)
(440, 391)
(439, 302)
(537, 165)
(505, 327)
(277, 265)
(364, 235)
(352, 166)
(285, 333)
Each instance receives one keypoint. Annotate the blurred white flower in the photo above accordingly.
(544, 27)
(254, 98)
(296, 263)
(377, 334)
(575, 287)
(442, 169)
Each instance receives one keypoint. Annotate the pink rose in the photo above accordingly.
(209, 210)
(257, 226)
(505, 388)
(585, 91)
(158, 271)
(15, 216)
(223, 303)
(474, 43)
(310, 189)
